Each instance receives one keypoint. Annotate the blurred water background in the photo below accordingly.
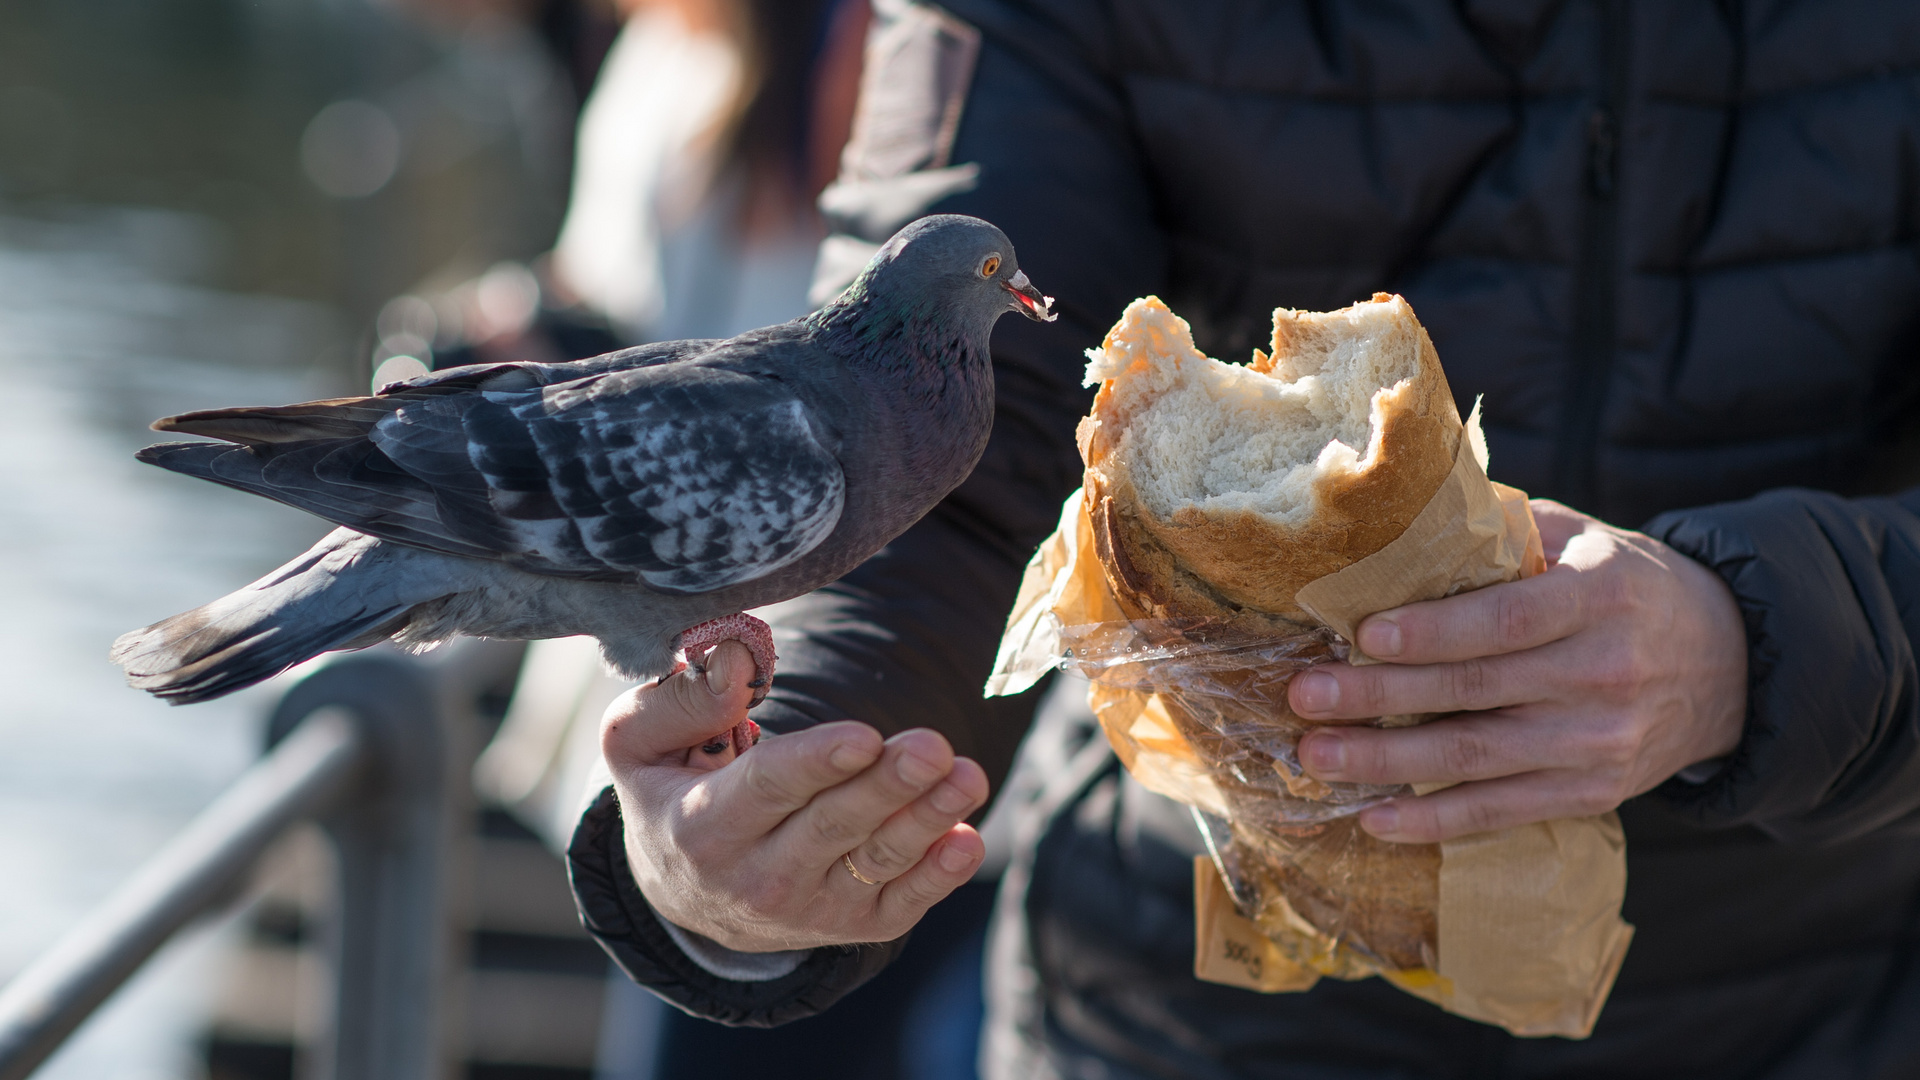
(203, 202)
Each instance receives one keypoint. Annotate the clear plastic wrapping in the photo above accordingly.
(1198, 710)
(1225, 691)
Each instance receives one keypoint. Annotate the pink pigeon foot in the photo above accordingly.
(738, 740)
(696, 641)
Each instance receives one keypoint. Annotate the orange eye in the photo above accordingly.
(990, 267)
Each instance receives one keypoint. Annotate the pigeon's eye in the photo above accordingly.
(990, 267)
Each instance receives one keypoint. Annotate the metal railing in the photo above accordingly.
(378, 749)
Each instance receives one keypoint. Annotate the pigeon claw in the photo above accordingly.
(697, 641)
(740, 738)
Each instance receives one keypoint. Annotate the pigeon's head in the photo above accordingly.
(951, 263)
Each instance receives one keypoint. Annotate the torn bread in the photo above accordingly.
(1222, 488)
(1219, 490)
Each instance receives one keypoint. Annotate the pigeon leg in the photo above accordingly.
(697, 641)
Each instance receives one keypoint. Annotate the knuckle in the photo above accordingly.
(888, 857)
(1369, 689)
(919, 892)
(830, 832)
(1472, 684)
(1619, 669)
(1518, 617)
(1614, 743)
(1464, 755)
(1477, 816)
(768, 786)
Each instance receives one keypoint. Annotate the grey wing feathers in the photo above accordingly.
(685, 477)
(522, 376)
(695, 489)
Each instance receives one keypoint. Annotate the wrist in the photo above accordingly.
(1722, 639)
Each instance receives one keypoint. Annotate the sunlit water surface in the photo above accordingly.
(97, 337)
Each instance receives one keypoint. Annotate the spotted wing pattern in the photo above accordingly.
(686, 466)
(691, 479)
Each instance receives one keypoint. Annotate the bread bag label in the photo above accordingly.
(1229, 948)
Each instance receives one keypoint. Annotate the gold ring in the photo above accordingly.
(857, 875)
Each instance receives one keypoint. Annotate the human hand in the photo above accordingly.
(749, 853)
(1577, 688)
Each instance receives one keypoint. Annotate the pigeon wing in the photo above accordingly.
(520, 375)
(689, 478)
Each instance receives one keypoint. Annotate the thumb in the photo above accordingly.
(690, 707)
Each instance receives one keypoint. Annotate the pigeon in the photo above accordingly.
(647, 497)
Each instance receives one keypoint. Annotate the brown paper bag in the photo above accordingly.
(1529, 934)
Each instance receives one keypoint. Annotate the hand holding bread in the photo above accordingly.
(1247, 537)
(1577, 689)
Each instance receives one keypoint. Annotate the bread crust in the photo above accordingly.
(1242, 572)
(1226, 564)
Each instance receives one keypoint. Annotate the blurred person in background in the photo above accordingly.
(711, 127)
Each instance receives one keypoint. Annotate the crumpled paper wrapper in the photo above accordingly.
(1529, 930)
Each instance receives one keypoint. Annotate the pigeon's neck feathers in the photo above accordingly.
(898, 330)
(928, 362)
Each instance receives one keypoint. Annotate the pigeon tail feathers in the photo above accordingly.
(255, 633)
(335, 418)
(329, 479)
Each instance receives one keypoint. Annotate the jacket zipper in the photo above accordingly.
(1596, 280)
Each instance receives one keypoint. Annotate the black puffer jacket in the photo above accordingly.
(1672, 243)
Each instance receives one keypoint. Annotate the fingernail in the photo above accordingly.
(847, 757)
(917, 771)
(1325, 754)
(1381, 820)
(721, 671)
(1316, 691)
(949, 799)
(1380, 637)
(953, 860)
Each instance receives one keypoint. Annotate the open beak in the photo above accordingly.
(1031, 303)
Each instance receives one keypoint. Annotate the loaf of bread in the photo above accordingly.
(1217, 491)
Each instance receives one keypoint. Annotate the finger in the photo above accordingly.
(1487, 622)
(1490, 805)
(763, 788)
(1558, 524)
(1344, 692)
(949, 864)
(903, 840)
(841, 819)
(1457, 749)
(658, 721)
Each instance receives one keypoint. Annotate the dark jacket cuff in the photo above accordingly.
(1830, 748)
(618, 916)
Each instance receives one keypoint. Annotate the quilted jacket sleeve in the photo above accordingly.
(1830, 589)
(1040, 149)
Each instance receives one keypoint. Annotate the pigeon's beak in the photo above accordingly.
(1028, 300)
